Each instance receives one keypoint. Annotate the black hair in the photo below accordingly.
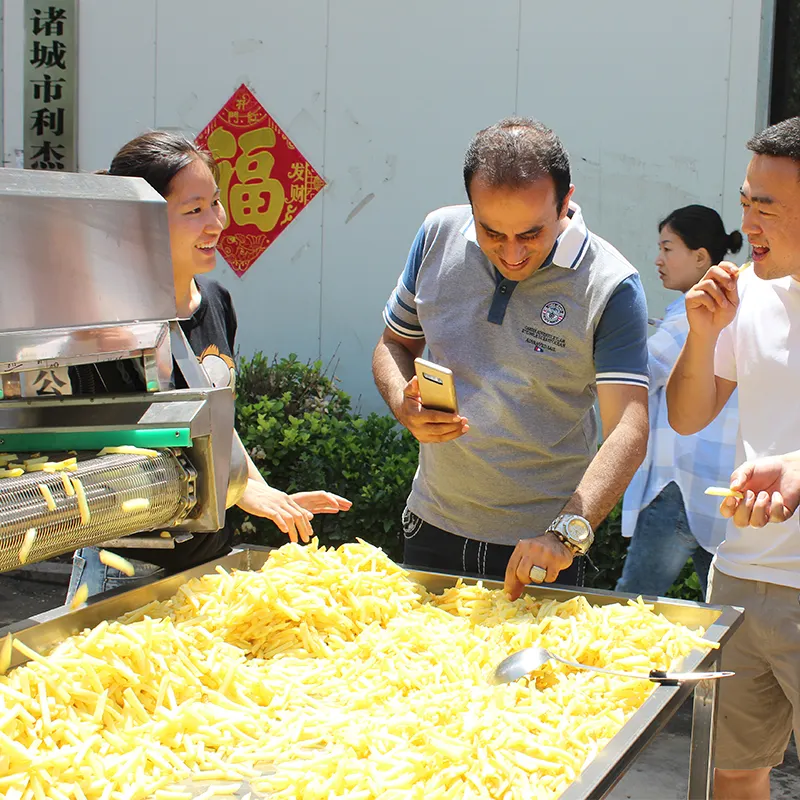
(158, 156)
(781, 140)
(701, 226)
(515, 152)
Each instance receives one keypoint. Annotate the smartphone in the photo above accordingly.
(436, 386)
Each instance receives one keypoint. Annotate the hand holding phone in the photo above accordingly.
(437, 389)
(430, 409)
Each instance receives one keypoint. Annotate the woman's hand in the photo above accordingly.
(261, 500)
(321, 502)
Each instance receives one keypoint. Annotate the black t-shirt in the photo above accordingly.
(211, 332)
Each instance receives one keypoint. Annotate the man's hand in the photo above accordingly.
(426, 425)
(321, 502)
(261, 500)
(771, 489)
(547, 552)
(711, 304)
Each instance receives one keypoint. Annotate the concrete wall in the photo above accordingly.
(654, 102)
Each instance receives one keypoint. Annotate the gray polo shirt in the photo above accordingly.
(527, 357)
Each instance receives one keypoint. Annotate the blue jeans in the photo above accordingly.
(661, 544)
(87, 568)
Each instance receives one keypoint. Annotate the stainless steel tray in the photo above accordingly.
(44, 631)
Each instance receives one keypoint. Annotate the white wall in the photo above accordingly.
(654, 102)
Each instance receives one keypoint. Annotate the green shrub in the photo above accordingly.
(302, 433)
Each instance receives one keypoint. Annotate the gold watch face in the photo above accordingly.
(578, 531)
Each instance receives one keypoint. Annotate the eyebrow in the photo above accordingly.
(534, 229)
(765, 200)
(197, 198)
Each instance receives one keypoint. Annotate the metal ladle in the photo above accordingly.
(523, 662)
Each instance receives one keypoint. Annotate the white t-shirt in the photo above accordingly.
(760, 350)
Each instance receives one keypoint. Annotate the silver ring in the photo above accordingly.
(538, 575)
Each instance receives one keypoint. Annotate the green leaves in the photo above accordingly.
(302, 434)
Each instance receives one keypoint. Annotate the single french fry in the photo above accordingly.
(83, 505)
(117, 562)
(48, 497)
(27, 544)
(81, 595)
(136, 504)
(40, 460)
(69, 490)
(13, 472)
(721, 491)
(128, 450)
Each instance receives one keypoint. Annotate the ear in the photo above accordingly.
(565, 204)
(703, 259)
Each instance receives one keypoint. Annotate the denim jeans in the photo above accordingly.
(661, 544)
(87, 568)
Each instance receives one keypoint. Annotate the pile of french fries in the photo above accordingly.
(327, 674)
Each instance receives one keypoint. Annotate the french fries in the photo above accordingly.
(128, 450)
(721, 491)
(136, 504)
(117, 562)
(83, 505)
(27, 544)
(81, 596)
(326, 674)
(48, 497)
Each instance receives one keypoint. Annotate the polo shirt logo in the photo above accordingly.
(553, 313)
(542, 340)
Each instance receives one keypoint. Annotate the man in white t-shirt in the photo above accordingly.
(745, 332)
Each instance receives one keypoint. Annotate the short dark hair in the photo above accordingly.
(515, 152)
(701, 226)
(158, 156)
(781, 140)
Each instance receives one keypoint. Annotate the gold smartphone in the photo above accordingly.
(436, 386)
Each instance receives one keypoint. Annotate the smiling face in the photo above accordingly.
(196, 220)
(516, 228)
(770, 199)
(679, 267)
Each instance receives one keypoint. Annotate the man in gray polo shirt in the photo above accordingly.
(537, 318)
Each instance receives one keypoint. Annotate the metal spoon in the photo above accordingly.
(521, 663)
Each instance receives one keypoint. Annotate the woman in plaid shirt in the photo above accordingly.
(664, 508)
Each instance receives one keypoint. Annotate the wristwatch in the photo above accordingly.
(574, 531)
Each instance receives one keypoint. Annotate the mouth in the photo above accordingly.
(207, 247)
(520, 265)
(760, 252)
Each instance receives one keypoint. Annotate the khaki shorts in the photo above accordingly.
(760, 705)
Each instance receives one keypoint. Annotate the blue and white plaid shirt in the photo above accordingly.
(693, 462)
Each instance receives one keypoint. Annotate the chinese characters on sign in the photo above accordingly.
(264, 179)
(51, 58)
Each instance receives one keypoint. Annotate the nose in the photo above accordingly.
(659, 262)
(215, 220)
(750, 224)
(514, 252)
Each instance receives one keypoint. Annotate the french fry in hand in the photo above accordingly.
(721, 491)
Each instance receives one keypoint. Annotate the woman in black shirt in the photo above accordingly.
(187, 178)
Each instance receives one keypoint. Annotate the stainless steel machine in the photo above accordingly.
(87, 278)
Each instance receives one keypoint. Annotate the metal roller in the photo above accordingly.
(166, 482)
